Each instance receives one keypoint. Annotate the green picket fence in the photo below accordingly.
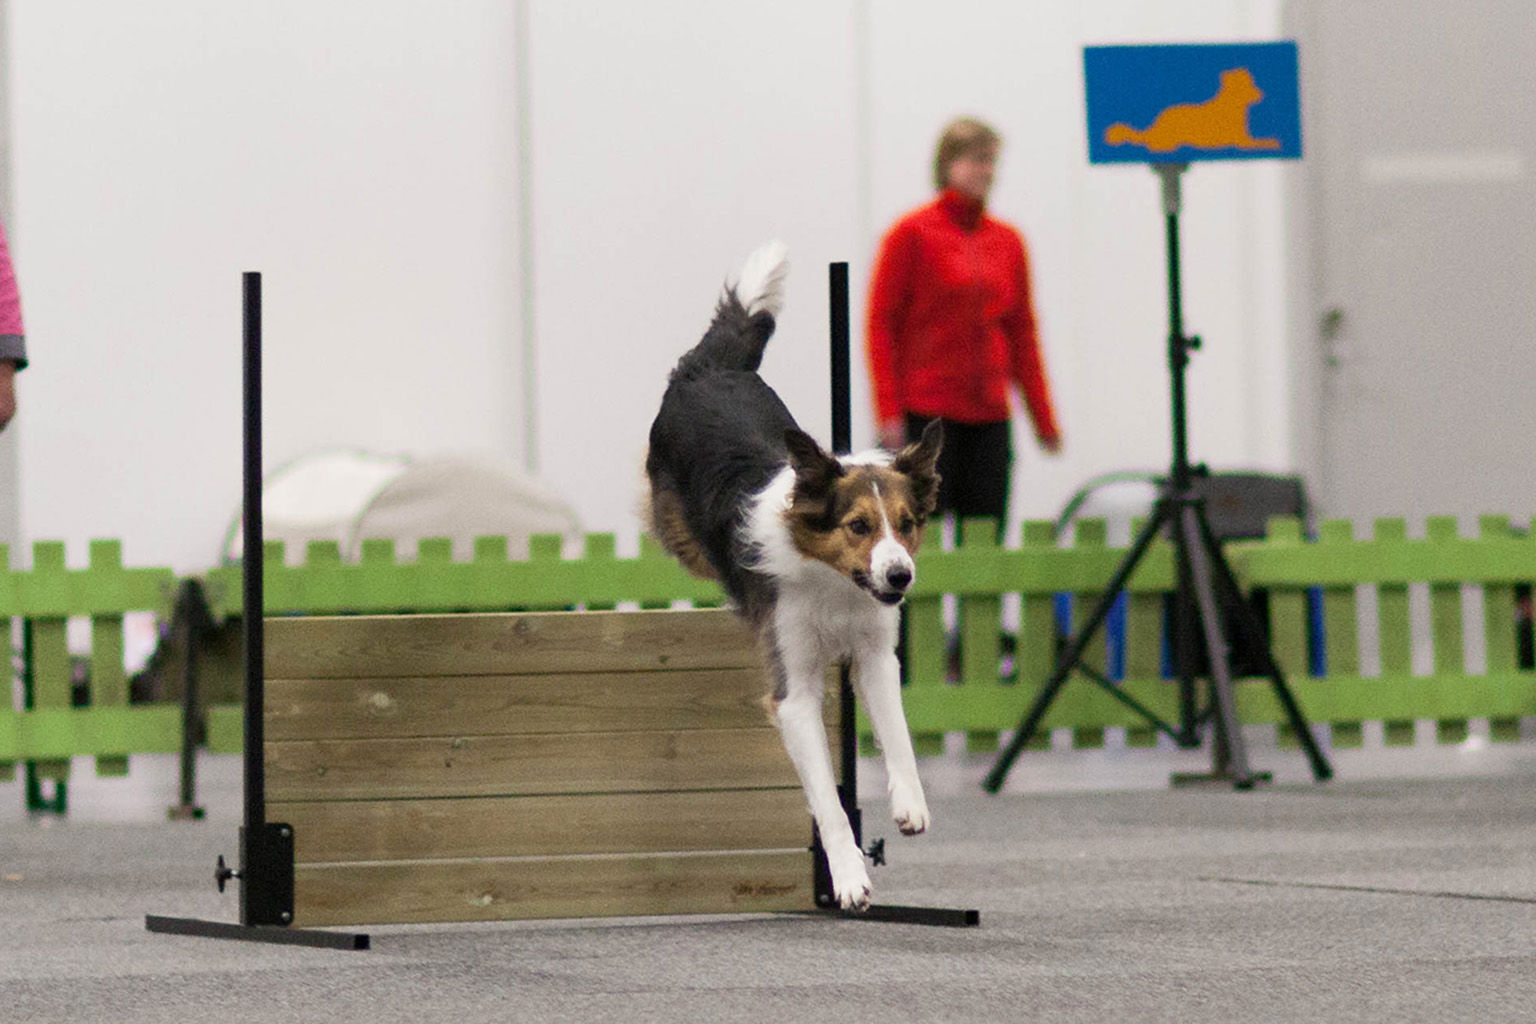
(980, 703)
(57, 723)
(967, 695)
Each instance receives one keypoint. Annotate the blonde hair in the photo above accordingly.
(964, 136)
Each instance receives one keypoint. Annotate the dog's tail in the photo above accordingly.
(744, 317)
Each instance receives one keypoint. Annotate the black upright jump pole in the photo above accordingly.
(253, 583)
(842, 444)
(848, 730)
(266, 873)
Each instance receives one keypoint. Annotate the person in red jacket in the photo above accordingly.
(951, 327)
(13, 341)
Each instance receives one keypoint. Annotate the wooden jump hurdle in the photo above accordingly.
(563, 764)
(474, 767)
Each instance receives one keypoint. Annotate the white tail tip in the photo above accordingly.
(760, 285)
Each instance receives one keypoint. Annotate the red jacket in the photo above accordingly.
(950, 319)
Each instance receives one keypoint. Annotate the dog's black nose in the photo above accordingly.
(898, 579)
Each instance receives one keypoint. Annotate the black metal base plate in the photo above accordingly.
(256, 933)
(938, 917)
(1197, 780)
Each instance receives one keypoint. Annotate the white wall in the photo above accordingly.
(364, 158)
(359, 156)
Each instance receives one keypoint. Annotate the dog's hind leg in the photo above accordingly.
(877, 676)
(798, 716)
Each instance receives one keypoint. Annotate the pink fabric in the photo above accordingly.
(10, 298)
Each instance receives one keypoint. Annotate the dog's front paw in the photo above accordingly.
(855, 896)
(908, 809)
(850, 880)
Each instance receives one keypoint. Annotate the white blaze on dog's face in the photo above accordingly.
(866, 519)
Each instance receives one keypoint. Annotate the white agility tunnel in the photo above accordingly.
(351, 496)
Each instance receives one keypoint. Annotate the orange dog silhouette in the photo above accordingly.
(1221, 122)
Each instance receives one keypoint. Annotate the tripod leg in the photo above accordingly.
(1216, 647)
(1251, 635)
(1070, 655)
(1185, 617)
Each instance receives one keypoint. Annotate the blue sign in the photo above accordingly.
(1177, 104)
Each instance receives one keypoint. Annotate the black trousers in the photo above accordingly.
(975, 465)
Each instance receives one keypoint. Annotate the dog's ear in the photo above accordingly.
(815, 470)
(919, 462)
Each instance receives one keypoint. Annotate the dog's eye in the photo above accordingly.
(908, 524)
(858, 527)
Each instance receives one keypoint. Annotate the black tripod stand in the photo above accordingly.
(1205, 586)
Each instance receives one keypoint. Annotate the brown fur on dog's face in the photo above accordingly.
(841, 515)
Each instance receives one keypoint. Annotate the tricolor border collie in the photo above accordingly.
(814, 551)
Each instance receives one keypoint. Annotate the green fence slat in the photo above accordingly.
(1346, 735)
(1341, 623)
(1144, 635)
(927, 641)
(1035, 651)
(1445, 607)
(1091, 535)
(1500, 640)
(8, 652)
(1498, 605)
(599, 553)
(1144, 638)
(1144, 627)
(1499, 609)
(545, 547)
(108, 681)
(1287, 604)
(1446, 632)
(980, 615)
(52, 680)
(1393, 625)
(652, 551)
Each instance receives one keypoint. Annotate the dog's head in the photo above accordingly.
(864, 519)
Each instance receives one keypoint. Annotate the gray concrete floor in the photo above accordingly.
(1403, 891)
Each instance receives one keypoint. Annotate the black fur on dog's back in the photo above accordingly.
(718, 437)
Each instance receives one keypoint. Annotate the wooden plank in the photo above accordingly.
(379, 830)
(526, 765)
(502, 705)
(504, 644)
(505, 889)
